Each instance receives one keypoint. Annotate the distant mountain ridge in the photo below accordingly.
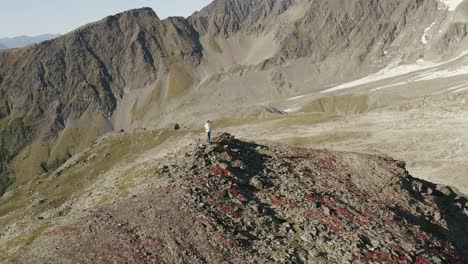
(22, 41)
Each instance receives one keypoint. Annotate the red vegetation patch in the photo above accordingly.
(423, 237)
(220, 171)
(277, 200)
(397, 249)
(200, 180)
(446, 251)
(403, 254)
(356, 192)
(342, 211)
(229, 210)
(308, 197)
(221, 238)
(236, 193)
(422, 260)
(388, 221)
(335, 229)
(381, 257)
(308, 214)
(329, 164)
(332, 222)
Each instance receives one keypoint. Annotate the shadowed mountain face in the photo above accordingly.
(88, 69)
(22, 41)
(134, 70)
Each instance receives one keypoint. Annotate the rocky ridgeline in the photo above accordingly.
(300, 205)
(240, 202)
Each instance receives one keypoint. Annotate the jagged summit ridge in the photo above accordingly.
(226, 17)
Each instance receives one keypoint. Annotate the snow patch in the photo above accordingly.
(436, 74)
(460, 90)
(387, 86)
(295, 98)
(425, 36)
(454, 89)
(392, 70)
(451, 4)
(395, 69)
(291, 110)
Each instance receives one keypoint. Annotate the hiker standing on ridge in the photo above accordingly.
(208, 131)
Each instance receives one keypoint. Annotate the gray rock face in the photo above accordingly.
(88, 71)
(226, 17)
(366, 27)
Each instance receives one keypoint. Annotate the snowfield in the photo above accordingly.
(420, 71)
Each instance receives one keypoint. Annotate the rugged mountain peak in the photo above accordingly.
(138, 13)
(125, 21)
(87, 71)
(144, 11)
(226, 17)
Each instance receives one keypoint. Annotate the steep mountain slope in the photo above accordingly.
(134, 70)
(308, 45)
(84, 74)
(234, 201)
(228, 17)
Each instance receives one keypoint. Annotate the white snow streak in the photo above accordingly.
(295, 98)
(451, 4)
(291, 110)
(454, 89)
(387, 86)
(425, 36)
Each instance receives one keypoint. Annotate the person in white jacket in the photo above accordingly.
(208, 131)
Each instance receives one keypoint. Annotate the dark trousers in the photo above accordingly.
(208, 136)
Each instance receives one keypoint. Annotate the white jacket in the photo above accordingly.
(208, 127)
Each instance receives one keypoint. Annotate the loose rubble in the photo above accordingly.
(240, 202)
